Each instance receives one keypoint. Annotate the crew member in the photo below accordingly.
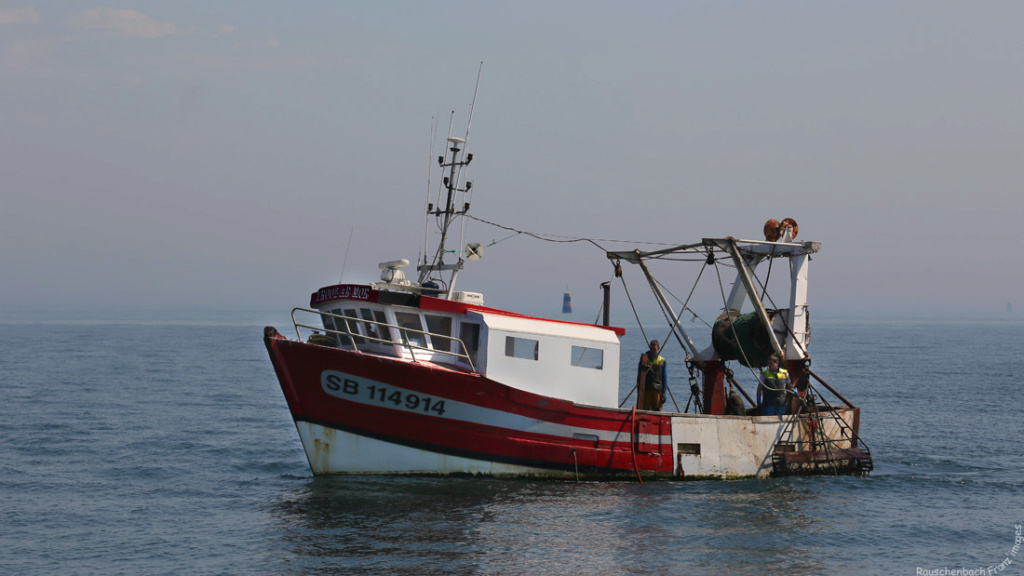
(773, 389)
(651, 377)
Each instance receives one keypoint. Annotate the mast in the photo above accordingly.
(456, 159)
(459, 159)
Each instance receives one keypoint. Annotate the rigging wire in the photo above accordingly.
(465, 149)
(764, 287)
(430, 168)
(564, 239)
(686, 306)
(635, 313)
(513, 235)
(652, 282)
(642, 331)
(672, 327)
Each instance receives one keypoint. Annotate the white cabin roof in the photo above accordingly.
(547, 328)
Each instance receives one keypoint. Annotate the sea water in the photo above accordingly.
(160, 445)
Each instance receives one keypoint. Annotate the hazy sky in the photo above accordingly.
(211, 154)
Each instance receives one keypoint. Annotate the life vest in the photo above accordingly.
(654, 369)
(775, 386)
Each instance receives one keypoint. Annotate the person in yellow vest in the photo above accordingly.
(651, 377)
(773, 389)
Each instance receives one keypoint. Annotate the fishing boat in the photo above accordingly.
(410, 376)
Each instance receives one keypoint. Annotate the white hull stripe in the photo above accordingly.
(380, 395)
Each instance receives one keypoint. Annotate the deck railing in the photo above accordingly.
(351, 335)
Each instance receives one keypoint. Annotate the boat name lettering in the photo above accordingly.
(344, 291)
(346, 387)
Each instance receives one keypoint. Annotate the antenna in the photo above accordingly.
(472, 104)
(455, 159)
(465, 147)
(344, 260)
(430, 160)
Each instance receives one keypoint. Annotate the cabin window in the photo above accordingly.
(328, 321)
(378, 332)
(522, 348)
(470, 336)
(338, 325)
(350, 326)
(588, 357)
(410, 327)
(382, 320)
(442, 326)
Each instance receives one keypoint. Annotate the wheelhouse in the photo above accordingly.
(566, 360)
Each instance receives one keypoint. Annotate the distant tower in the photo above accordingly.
(567, 302)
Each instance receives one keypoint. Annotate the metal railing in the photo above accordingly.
(351, 335)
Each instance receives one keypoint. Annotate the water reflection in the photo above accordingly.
(383, 525)
(390, 524)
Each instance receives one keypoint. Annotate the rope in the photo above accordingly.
(565, 239)
(632, 443)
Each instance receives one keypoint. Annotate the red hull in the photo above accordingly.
(445, 411)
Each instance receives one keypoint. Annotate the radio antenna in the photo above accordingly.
(344, 260)
(472, 105)
(430, 160)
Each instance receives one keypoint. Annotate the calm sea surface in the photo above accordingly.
(156, 447)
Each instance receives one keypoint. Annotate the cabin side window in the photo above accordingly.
(441, 326)
(522, 348)
(410, 328)
(584, 357)
(470, 335)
